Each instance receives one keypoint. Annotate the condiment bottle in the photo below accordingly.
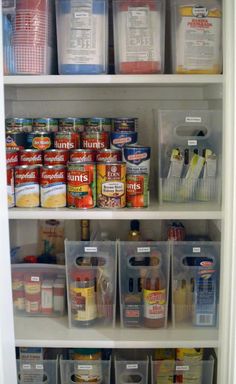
(85, 230)
(91, 370)
(134, 233)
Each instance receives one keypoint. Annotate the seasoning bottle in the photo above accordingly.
(154, 294)
(91, 370)
(85, 230)
(134, 233)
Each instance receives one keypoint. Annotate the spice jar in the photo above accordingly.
(91, 370)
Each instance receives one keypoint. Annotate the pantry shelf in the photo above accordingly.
(119, 80)
(51, 332)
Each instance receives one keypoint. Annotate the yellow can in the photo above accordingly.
(111, 185)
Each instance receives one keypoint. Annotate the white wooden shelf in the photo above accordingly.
(46, 332)
(118, 80)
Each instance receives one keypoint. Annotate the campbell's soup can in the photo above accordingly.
(10, 187)
(137, 159)
(95, 140)
(40, 140)
(66, 140)
(105, 155)
(55, 157)
(82, 155)
(18, 124)
(125, 124)
(120, 139)
(81, 185)
(111, 185)
(53, 186)
(137, 193)
(16, 139)
(30, 157)
(27, 186)
(12, 157)
(45, 124)
(98, 124)
(71, 124)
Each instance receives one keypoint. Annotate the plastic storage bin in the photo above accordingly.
(196, 36)
(29, 38)
(144, 284)
(139, 32)
(73, 371)
(190, 156)
(38, 289)
(91, 283)
(37, 372)
(82, 36)
(195, 283)
(131, 370)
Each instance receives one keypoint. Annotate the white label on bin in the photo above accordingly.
(39, 366)
(91, 249)
(26, 366)
(143, 249)
(85, 367)
(192, 142)
(182, 368)
(193, 119)
(131, 366)
(34, 278)
(196, 249)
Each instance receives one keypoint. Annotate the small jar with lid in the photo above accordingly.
(91, 370)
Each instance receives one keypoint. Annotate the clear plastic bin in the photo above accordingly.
(29, 38)
(196, 36)
(73, 371)
(190, 156)
(133, 370)
(195, 283)
(82, 36)
(139, 31)
(144, 284)
(38, 289)
(91, 283)
(37, 372)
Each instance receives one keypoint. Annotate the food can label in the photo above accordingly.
(55, 157)
(109, 155)
(82, 156)
(30, 158)
(137, 159)
(27, 188)
(12, 157)
(53, 188)
(83, 309)
(96, 140)
(41, 142)
(71, 124)
(125, 124)
(111, 185)
(66, 140)
(120, 139)
(81, 186)
(137, 191)
(10, 187)
(154, 304)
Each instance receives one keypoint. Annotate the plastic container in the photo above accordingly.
(82, 371)
(195, 283)
(139, 31)
(196, 36)
(144, 284)
(190, 156)
(131, 369)
(37, 372)
(91, 283)
(82, 36)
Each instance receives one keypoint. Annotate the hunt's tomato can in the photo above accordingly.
(66, 140)
(53, 186)
(81, 185)
(39, 140)
(111, 155)
(27, 186)
(12, 157)
(111, 185)
(10, 187)
(82, 155)
(30, 157)
(55, 157)
(95, 140)
(137, 193)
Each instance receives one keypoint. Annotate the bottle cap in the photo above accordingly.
(134, 225)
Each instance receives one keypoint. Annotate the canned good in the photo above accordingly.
(98, 124)
(53, 186)
(30, 157)
(55, 157)
(71, 124)
(111, 185)
(12, 157)
(137, 159)
(120, 139)
(66, 140)
(18, 124)
(105, 155)
(40, 140)
(10, 187)
(82, 155)
(125, 124)
(45, 124)
(16, 139)
(27, 186)
(95, 140)
(137, 191)
(81, 185)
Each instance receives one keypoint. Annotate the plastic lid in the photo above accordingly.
(134, 225)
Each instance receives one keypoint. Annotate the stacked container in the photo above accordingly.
(39, 371)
